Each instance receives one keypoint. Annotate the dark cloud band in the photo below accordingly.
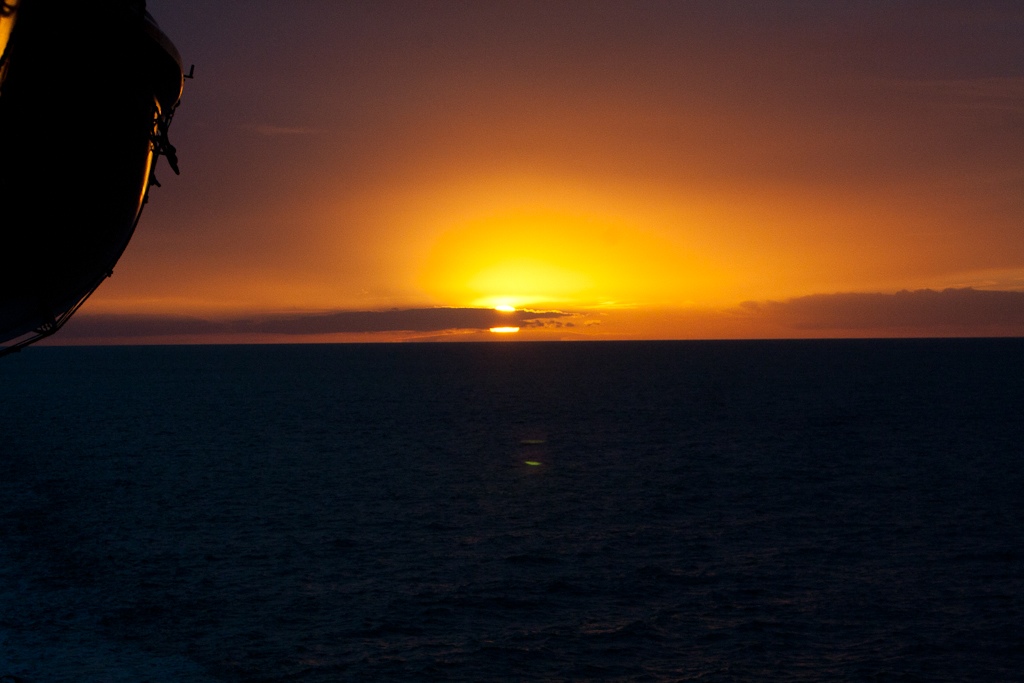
(921, 309)
(300, 324)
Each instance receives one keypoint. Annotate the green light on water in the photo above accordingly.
(532, 462)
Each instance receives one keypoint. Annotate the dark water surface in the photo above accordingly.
(713, 511)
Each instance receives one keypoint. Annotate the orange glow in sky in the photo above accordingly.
(628, 170)
(531, 260)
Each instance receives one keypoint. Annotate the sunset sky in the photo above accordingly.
(611, 169)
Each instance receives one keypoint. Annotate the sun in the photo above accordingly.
(558, 257)
(504, 330)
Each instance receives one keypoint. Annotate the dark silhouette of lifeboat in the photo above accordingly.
(87, 93)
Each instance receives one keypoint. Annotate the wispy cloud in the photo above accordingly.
(266, 130)
(994, 93)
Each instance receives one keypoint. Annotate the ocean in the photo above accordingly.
(637, 511)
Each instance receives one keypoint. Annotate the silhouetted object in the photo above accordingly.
(87, 92)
